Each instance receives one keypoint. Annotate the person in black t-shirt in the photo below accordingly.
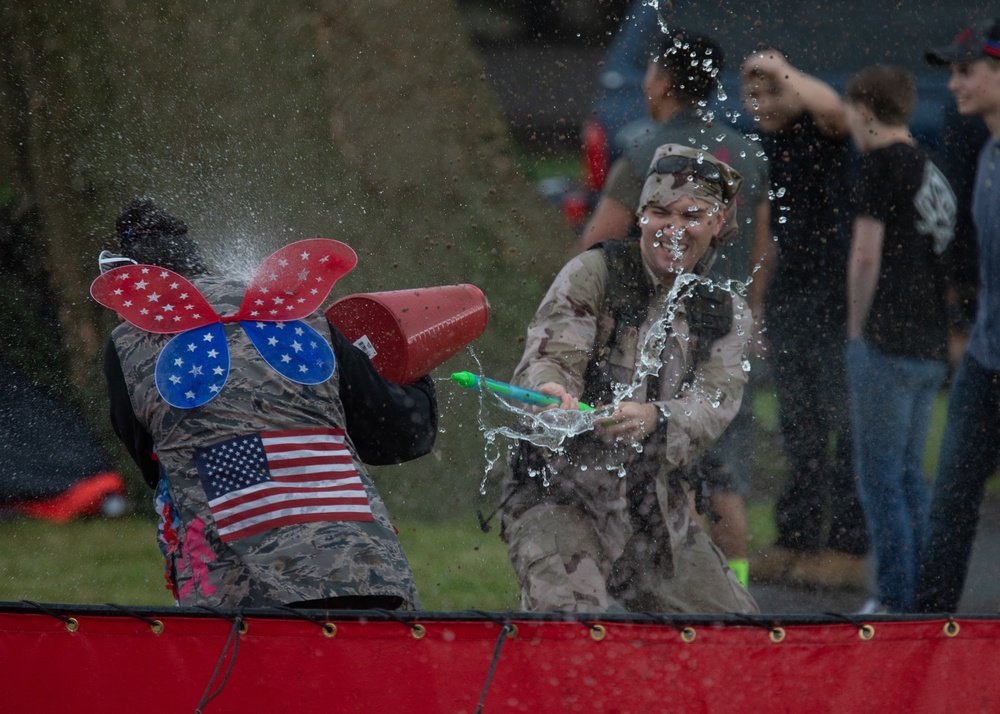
(897, 321)
(798, 293)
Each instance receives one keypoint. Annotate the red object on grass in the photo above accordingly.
(84, 498)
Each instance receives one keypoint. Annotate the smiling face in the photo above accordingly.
(677, 235)
(976, 87)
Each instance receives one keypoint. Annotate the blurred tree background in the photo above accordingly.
(259, 124)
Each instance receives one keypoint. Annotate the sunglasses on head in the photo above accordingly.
(682, 164)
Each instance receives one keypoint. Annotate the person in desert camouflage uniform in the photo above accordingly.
(330, 564)
(583, 537)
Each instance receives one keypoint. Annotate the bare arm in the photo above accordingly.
(763, 259)
(863, 272)
(804, 91)
(610, 220)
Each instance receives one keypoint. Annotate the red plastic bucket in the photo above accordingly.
(407, 333)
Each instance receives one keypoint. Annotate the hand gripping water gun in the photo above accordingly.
(527, 396)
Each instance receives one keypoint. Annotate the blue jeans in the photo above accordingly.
(891, 403)
(970, 454)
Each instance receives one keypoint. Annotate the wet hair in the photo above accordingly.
(889, 92)
(148, 234)
(693, 62)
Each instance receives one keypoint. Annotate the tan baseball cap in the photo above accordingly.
(678, 171)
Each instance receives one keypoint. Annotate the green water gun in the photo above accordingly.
(527, 396)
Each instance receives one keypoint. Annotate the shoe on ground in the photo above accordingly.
(773, 564)
(830, 570)
(873, 607)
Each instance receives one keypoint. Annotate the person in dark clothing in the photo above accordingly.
(897, 324)
(798, 294)
(260, 482)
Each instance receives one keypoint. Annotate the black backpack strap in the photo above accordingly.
(627, 293)
(710, 317)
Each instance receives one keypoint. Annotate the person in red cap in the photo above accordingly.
(970, 447)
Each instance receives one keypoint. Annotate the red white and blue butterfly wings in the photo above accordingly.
(193, 367)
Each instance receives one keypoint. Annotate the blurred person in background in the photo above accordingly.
(798, 294)
(969, 448)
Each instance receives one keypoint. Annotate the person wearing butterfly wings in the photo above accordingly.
(253, 419)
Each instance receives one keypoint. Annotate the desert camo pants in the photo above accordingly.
(562, 567)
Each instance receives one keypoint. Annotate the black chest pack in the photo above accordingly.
(627, 295)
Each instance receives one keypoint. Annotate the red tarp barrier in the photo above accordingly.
(115, 661)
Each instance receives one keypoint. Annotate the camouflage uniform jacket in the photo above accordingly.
(697, 402)
(289, 563)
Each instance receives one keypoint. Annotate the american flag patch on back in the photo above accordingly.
(276, 478)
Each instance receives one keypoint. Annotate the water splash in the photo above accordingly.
(552, 429)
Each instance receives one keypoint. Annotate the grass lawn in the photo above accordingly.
(457, 566)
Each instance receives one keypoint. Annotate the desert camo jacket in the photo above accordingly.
(290, 563)
(697, 402)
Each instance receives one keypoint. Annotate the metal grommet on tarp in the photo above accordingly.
(512, 631)
(418, 631)
(156, 626)
(329, 629)
(72, 624)
(866, 632)
(777, 634)
(688, 635)
(597, 632)
(951, 628)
